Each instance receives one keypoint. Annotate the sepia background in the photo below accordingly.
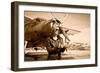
(5, 37)
(80, 42)
(78, 21)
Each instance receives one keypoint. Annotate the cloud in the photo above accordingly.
(82, 37)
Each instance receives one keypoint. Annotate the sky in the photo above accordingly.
(80, 22)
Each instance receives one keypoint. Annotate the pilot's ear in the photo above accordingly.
(51, 24)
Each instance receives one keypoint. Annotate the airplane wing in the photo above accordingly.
(70, 31)
(27, 20)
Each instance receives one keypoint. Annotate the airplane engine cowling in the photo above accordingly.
(37, 28)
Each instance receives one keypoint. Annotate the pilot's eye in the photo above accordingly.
(53, 21)
(58, 21)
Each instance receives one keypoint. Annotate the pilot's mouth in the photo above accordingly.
(55, 38)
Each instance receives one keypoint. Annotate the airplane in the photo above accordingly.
(40, 32)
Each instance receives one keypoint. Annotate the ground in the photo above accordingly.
(67, 55)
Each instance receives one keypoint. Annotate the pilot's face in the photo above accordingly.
(56, 24)
(56, 27)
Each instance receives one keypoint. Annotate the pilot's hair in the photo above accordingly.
(56, 20)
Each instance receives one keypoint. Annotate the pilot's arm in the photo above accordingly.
(65, 34)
